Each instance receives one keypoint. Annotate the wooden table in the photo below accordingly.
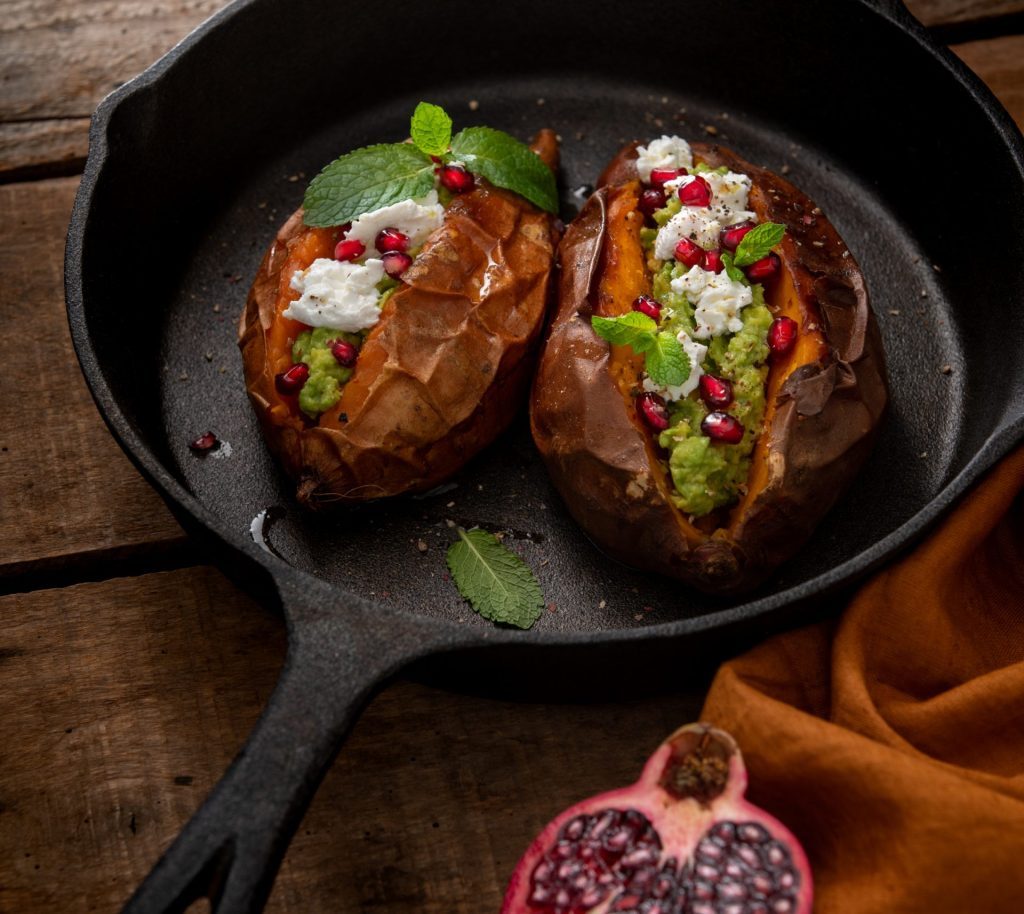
(130, 672)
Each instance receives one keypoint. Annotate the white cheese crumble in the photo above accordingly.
(697, 223)
(338, 294)
(696, 351)
(717, 301)
(667, 152)
(416, 218)
(728, 195)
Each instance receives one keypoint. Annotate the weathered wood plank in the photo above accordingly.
(43, 148)
(58, 58)
(67, 488)
(948, 12)
(1000, 63)
(129, 697)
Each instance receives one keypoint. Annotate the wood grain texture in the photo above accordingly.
(67, 490)
(947, 12)
(59, 58)
(129, 697)
(1000, 64)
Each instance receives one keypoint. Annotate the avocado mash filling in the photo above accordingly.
(704, 329)
(326, 374)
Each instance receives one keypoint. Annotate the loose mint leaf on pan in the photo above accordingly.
(498, 584)
(365, 180)
(506, 162)
(431, 129)
(667, 363)
(631, 329)
(758, 242)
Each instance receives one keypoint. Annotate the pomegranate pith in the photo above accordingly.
(682, 840)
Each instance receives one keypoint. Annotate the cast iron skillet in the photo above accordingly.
(193, 164)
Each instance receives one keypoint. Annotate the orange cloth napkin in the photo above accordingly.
(892, 740)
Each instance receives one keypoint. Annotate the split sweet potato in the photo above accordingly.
(439, 376)
(824, 399)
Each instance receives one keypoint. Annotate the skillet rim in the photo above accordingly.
(1000, 441)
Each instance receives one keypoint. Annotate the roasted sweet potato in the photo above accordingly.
(442, 372)
(823, 398)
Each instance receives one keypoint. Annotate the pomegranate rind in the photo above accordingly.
(442, 373)
(680, 822)
(820, 424)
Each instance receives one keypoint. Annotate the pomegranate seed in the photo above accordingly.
(695, 193)
(660, 175)
(715, 392)
(391, 239)
(647, 305)
(344, 352)
(764, 269)
(653, 411)
(349, 249)
(732, 236)
(396, 263)
(782, 335)
(722, 427)
(290, 382)
(712, 260)
(456, 179)
(204, 443)
(689, 252)
(651, 201)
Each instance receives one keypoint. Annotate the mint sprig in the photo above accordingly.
(665, 360)
(431, 129)
(376, 176)
(507, 163)
(732, 271)
(498, 584)
(758, 243)
(365, 180)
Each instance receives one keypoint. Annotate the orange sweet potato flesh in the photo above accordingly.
(824, 400)
(442, 373)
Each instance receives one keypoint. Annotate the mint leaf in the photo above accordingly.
(732, 271)
(498, 584)
(667, 363)
(431, 129)
(758, 242)
(506, 162)
(631, 329)
(365, 180)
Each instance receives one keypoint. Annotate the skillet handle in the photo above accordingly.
(232, 847)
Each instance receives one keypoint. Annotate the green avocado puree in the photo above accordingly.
(326, 376)
(705, 474)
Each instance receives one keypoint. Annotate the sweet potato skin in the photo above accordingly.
(819, 428)
(441, 374)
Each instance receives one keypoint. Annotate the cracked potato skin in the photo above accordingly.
(825, 400)
(442, 373)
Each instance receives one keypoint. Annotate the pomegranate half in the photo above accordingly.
(681, 840)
